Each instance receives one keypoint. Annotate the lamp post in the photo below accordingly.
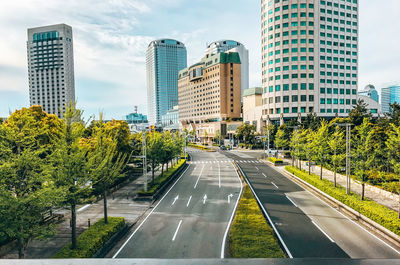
(348, 150)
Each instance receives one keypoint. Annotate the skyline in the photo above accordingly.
(111, 41)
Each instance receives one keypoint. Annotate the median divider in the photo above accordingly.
(373, 226)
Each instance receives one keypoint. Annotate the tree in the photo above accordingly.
(319, 144)
(27, 189)
(337, 144)
(394, 114)
(312, 121)
(155, 151)
(361, 153)
(282, 138)
(376, 142)
(218, 137)
(70, 159)
(245, 132)
(359, 113)
(119, 130)
(393, 146)
(298, 144)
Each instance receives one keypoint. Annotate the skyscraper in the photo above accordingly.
(164, 59)
(233, 46)
(309, 58)
(389, 95)
(369, 91)
(51, 67)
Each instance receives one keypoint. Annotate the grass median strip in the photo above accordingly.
(93, 239)
(372, 210)
(250, 235)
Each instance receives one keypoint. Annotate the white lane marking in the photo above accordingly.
(229, 198)
(292, 201)
(190, 198)
(233, 214)
(320, 229)
(275, 185)
(257, 168)
(83, 208)
(177, 229)
(269, 218)
(264, 175)
(176, 198)
(219, 175)
(198, 179)
(204, 199)
(147, 217)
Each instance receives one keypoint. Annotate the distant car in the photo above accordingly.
(272, 152)
(222, 147)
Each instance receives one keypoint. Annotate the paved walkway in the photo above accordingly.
(120, 204)
(376, 194)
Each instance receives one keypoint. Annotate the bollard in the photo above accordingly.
(88, 222)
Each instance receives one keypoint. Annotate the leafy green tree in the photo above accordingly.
(394, 114)
(337, 144)
(119, 130)
(319, 144)
(312, 121)
(155, 151)
(246, 133)
(298, 145)
(282, 138)
(218, 137)
(360, 153)
(359, 113)
(376, 142)
(393, 146)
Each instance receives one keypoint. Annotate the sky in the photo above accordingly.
(111, 38)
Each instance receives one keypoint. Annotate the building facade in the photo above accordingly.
(233, 46)
(389, 95)
(210, 94)
(170, 121)
(371, 92)
(164, 59)
(309, 58)
(373, 106)
(252, 108)
(51, 67)
(136, 118)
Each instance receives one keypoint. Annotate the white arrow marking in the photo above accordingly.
(204, 199)
(229, 198)
(177, 197)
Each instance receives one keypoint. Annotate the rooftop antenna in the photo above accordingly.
(136, 109)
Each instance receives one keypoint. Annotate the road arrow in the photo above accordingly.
(204, 199)
(229, 198)
(177, 197)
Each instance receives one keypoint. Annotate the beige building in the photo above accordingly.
(209, 95)
(253, 107)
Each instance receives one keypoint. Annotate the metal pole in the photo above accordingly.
(348, 158)
(268, 143)
(144, 161)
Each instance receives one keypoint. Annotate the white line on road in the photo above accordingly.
(147, 217)
(177, 229)
(187, 205)
(320, 229)
(83, 208)
(292, 201)
(204, 199)
(219, 176)
(197, 182)
(257, 168)
(264, 175)
(275, 185)
(176, 198)
(229, 198)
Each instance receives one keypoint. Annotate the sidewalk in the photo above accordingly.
(120, 204)
(376, 194)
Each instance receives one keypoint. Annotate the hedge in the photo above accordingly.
(162, 179)
(92, 239)
(204, 148)
(276, 161)
(250, 235)
(372, 210)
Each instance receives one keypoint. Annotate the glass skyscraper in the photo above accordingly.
(164, 59)
(389, 96)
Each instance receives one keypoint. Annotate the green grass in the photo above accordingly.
(162, 179)
(250, 235)
(93, 239)
(276, 161)
(374, 211)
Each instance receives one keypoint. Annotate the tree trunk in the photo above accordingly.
(300, 163)
(73, 225)
(363, 191)
(167, 165)
(162, 169)
(334, 177)
(309, 167)
(320, 177)
(152, 173)
(21, 248)
(105, 205)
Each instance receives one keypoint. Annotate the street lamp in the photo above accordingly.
(348, 149)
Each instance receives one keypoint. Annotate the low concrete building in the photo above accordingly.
(373, 106)
(252, 108)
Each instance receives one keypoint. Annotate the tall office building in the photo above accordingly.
(389, 95)
(233, 46)
(309, 58)
(164, 59)
(51, 67)
(369, 91)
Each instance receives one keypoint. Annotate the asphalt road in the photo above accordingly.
(191, 221)
(308, 227)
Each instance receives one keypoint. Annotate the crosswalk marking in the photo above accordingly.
(226, 161)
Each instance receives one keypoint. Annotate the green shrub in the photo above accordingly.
(162, 179)
(374, 211)
(250, 235)
(201, 147)
(93, 239)
(276, 161)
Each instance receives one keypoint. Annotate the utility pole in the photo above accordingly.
(144, 160)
